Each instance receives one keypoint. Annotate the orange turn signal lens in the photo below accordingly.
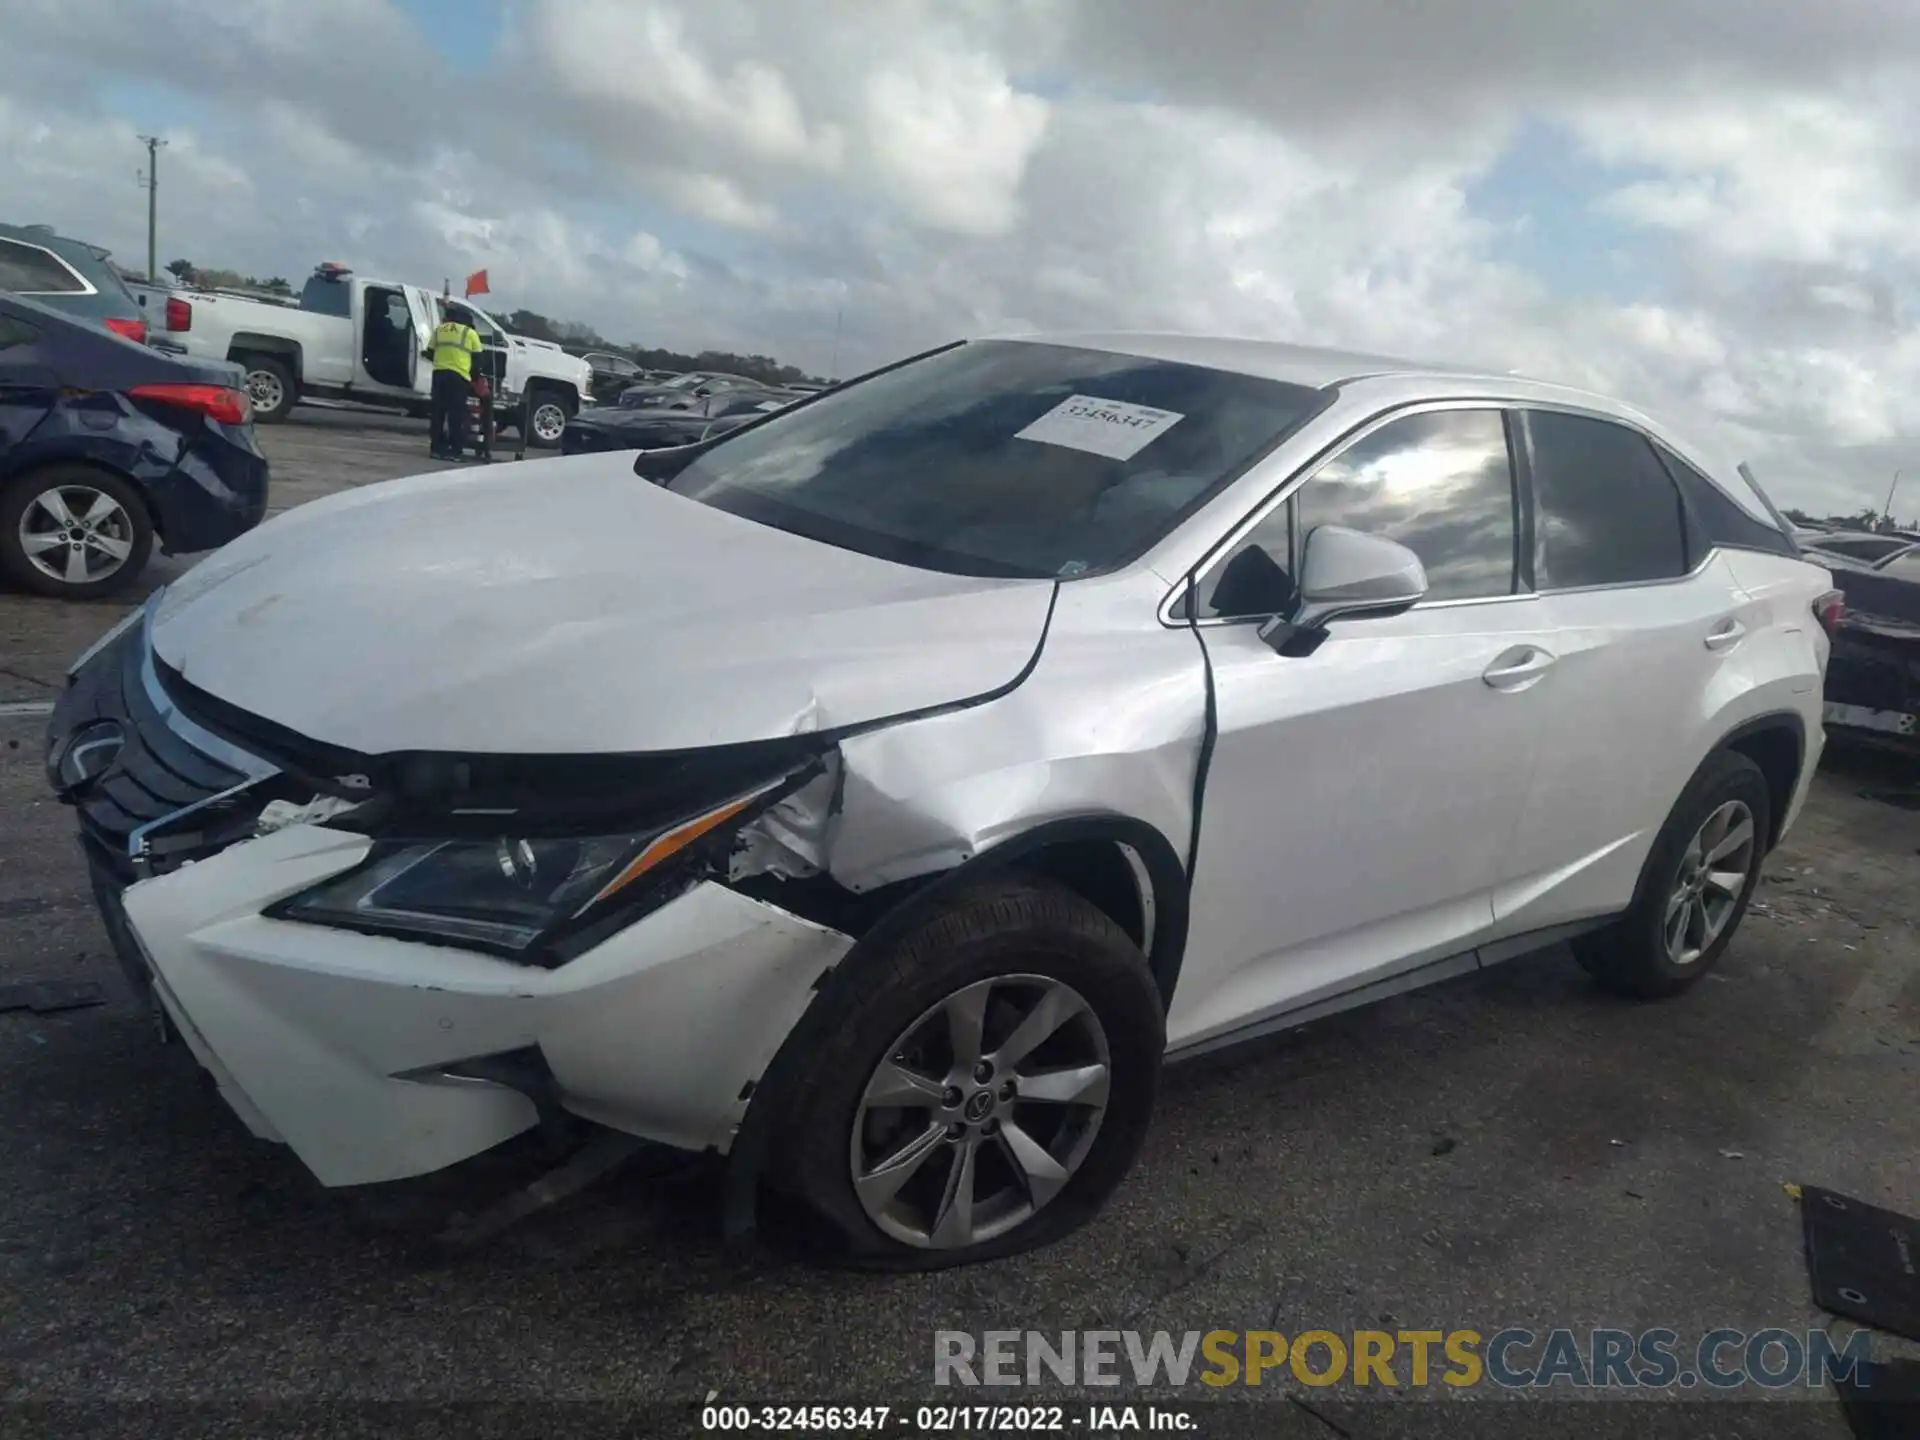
(670, 843)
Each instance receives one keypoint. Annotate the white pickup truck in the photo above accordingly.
(352, 339)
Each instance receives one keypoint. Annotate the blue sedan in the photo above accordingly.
(106, 446)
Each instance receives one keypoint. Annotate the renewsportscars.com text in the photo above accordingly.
(1513, 1358)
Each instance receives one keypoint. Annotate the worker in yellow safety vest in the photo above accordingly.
(454, 344)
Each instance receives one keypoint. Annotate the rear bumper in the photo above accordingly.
(347, 1047)
(215, 492)
(1873, 688)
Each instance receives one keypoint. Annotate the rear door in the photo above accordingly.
(1654, 634)
(1360, 801)
(392, 324)
(29, 386)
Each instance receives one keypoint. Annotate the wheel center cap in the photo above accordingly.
(980, 1105)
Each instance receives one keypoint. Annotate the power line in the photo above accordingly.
(154, 146)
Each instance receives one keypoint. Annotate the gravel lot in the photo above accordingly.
(1512, 1149)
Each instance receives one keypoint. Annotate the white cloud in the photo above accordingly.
(644, 56)
(715, 198)
(837, 186)
(951, 137)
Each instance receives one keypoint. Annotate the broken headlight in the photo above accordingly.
(507, 894)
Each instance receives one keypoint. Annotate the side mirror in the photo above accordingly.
(1345, 574)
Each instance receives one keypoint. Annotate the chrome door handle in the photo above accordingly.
(1727, 634)
(1517, 668)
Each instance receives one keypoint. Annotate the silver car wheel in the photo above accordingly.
(264, 389)
(1706, 891)
(549, 420)
(76, 534)
(981, 1112)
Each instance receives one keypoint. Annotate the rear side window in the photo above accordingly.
(1605, 510)
(1714, 518)
(326, 297)
(29, 270)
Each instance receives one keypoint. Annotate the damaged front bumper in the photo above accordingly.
(381, 1057)
(368, 1055)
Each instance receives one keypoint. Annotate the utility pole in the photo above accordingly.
(1886, 514)
(833, 371)
(154, 146)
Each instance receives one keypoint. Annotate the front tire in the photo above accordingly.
(73, 532)
(990, 1087)
(550, 413)
(1695, 888)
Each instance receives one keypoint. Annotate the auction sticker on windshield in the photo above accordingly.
(1113, 428)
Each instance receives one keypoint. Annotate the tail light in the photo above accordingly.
(179, 314)
(216, 402)
(134, 330)
(1830, 609)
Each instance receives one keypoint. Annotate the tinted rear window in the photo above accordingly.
(30, 270)
(1714, 518)
(1002, 457)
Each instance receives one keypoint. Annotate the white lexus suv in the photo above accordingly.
(879, 794)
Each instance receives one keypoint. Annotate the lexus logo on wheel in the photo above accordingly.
(84, 756)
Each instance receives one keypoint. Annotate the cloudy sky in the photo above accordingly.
(1708, 207)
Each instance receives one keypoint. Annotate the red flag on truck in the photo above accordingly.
(477, 283)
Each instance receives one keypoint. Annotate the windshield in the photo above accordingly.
(1001, 457)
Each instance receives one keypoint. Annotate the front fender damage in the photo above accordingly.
(1108, 729)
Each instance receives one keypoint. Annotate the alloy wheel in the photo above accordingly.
(76, 534)
(1713, 873)
(981, 1112)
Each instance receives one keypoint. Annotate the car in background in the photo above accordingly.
(1853, 549)
(695, 383)
(611, 374)
(71, 276)
(1873, 679)
(883, 793)
(154, 302)
(635, 427)
(107, 445)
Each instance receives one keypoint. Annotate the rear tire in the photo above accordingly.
(1695, 888)
(50, 516)
(270, 385)
(1042, 1140)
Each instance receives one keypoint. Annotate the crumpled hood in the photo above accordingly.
(568, 606)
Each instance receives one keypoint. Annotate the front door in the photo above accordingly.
(1361, 801)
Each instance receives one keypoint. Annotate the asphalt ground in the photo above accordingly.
(1513, 1149)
